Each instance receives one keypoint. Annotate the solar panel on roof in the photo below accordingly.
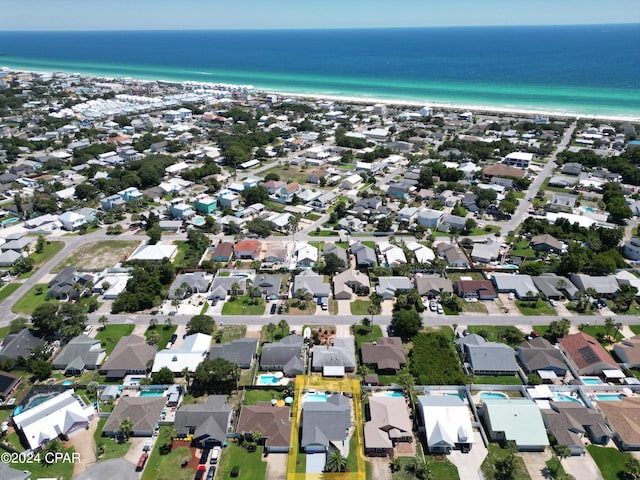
(588, 355)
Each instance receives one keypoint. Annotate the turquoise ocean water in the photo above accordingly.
(587, 70)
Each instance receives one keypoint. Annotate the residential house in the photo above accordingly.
(154, 253)
(408, 215)
(628, 351)
(480, 289)
(586, 354)
(317, 175)
(187, 284)
(521, 285)
(323, 201)
(453, 255)
(348, 283)
(285, 355)
(80, 354)
(205, 204)
(341, 253)
(514, 419)
(207, 423)
(488, 358)
(351, 182)
(546, 243)
(570, 422)
(20, 344)
(433, 286)
(268, 285)
(486, 252)
(335, 359)
(71, 221)
(351, 224)
(469, 202)
(144, 413)
(429, 218)
(625, 277)
(273, 186)
(389, 424)
(551, 286)
(194, 349)
(311, 282)
(68, 284)
(181, 210)
(276, 254)
(247, 250)
(452, 222)
(8, 385)
(130, 356)
(386, 354)
(518, 159)
(422, 253)
(445, 422)
(287, 193)
(111, 202)
(223, 286)
(537, 355)
(228, 199)
(274, 425)
(498, 170)
(240, 351)
(389, 287)
(631, 249)
(223, 252)
(61, 414)
(399, 190)
(305, 255)
(9, 258)
(325, 425)
(572, 168)
(19, 244)
(604, 286)
(563, 202)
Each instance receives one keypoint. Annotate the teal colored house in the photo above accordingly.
(205, 204)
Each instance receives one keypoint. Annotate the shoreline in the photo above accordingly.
(360, 100)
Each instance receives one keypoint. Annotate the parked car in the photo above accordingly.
(205, 456)
(440, 309)
(280, 308)
(211, 473)
(433, 306)
(174, 337)
(273, 308)
(553, 303)
(215, 455)
(147, 445)
(511, 296)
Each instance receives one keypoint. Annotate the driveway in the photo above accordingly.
(85, 446)
(468, 464)
(344, 307)
(536, 464)
(380, 468)
(276, 466)
(582, 468)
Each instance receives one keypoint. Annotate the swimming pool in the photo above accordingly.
(151, 393)
(267, 380)
(198, 221)
(589, 210)
(315, 397)
(603, 397)
(459, 395)
(591, 381)
(392, 394)
(10, 220)
(486, 395)
(560, 397)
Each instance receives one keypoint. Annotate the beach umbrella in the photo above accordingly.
(288, 400)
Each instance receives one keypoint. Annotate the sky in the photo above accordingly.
(285, 14)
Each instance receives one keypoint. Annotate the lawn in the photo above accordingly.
(241, 306)
(110, 335)
(39, 259)
(7, 290)
(251, 465)
(59, 469)
(252, 397)
(164, 332)
(289, 173)
(112, 449)
(634, 328)
(165, 465)
(30, 300)
(504, 334)
(277, 334)
(521, 249)
(180, 254)
(323, 233)
(474, 307)
(535, 308)
(97, 256)
(440, 468)
(366, 334)
(497, 380)
(610, 461)
(360, 307)
(557, 470)
(229, 333)
(497, 454)
(599, 332)
(455, 276)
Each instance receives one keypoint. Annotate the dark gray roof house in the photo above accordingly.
(568, 422)
(554, 287)
(309, 281)
(239, 351)
(605, 286)
(339, 252)
(488, 358)
(68, 284)
(19, 344)
(341, 353)
(269, 285)
(131, 355)
(365, 256)
(144, 412)
(538, 354)
(324, 423)
(387, 354)
(433, 285)
(284, 355)
(80, 354)
(189, 283)
(208, 422)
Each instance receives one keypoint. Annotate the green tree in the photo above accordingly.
(45, 318)
(406, 323)
(164, 376)
(215, 376)
(17, 324)
(40, 369)
(271, 328)
(283, 325)
(103, 320)
(126, 427)
(562, 451)
(50, 449)
(201, 324)
(154, 233)
(332, 265)
(92, 390)
(40, 244)
(336, 462)
(557, 329)
(625, 298)
(632, 468)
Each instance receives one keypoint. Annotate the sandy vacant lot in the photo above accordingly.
(97, 256)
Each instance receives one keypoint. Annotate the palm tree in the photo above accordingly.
(235, 288)
(187, 375)
(609, 323)
(632, 468)
(271, 328)
(366, 322)
(562, 451)
(104, 320)
(283, 325)
(126, 427)
(336, 462)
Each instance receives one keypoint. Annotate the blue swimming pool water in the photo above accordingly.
(67, 382)
(492, 395)
(151, 393)
(198, 221)
(315, 397)
(559, 397)
(459, 395)
(608, 397)
(392, 394)
(588, 209)
(591, 380)
(10, 220)
(267, 380)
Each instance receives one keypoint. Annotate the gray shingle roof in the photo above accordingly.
(276, 355)
(341, 353)
(239, 351)
(207, 421)
(539, 354)
(488, 357)
(323, 422)
(20, 344)
(80, 353)
(144, 412)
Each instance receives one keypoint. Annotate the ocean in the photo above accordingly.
(586, 70)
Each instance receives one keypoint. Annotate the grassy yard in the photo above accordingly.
(252, 397)
(289, 173)
(599, 332)
(497, 454)
(557, 470)
(62, 470)
(474, 307)
(112, 449)
(164, 332)
(323, 233)
(229, 333)
(30, 300)
(360, 307)
(180, 254)
(277, 334)
(251, 465)
(455, 276)
(111, 335)
(97, 256)
(521, 249)
(497, 380)
(497, 333)
(165, 465)
(40, 258)
(635, 329)
(441, 468)
(242, 306)
(535, 308)
(610, 461)
(7, 290)
(366, 334)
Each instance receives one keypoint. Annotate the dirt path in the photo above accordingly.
(85, 445)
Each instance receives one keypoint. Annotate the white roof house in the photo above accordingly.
(423, 254)
(195, 348)
(176, 167)
(446, 420)
(61, 414)
(154, 252)
(516, 419)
